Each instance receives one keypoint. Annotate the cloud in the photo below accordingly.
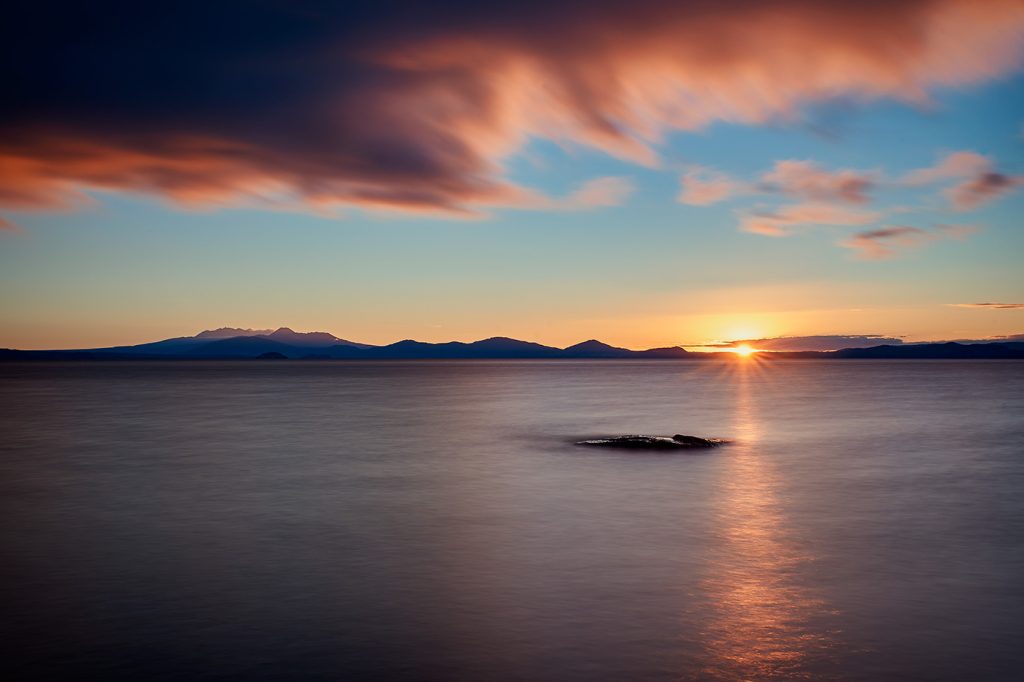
(980, 181)
(989, 306)
(321, 105)
(804, 180)
(890, 241)
(703, 186)
(880, 244)
(781, 222)
(610, 191)
(981, 189)
(808, 181)
(954, 165)
(827, 197)
(596, 193)
(840, 197)
(813, 343)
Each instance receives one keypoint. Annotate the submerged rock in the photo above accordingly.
(676, 442)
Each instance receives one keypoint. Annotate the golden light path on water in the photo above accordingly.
(764, 624)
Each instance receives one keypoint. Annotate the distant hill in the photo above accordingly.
(226, 343)
(595, 349)
(493, 348)
(938, 351)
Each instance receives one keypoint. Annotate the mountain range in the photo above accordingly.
(233, 343)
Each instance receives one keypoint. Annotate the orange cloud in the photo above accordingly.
(782, 221)
(808, 181)
(400, 107)
(989, 306)
(980, 181)
(610, 191)
(703, 186)
(981, 189)
(800, 179)
(954, 165)
(890, 241)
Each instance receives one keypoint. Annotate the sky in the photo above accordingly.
(648, 173)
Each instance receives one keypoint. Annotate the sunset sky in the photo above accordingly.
(648, 173)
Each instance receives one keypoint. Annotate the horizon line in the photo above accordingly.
(708, 348)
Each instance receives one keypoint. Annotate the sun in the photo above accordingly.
(744, 351)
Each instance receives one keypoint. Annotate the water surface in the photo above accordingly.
(432, 520)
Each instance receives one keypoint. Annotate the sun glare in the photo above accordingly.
(744, 351)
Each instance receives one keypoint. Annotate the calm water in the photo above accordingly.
(432, 521)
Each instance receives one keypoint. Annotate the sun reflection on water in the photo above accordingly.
(762, 623)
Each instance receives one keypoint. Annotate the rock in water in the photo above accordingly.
(697, 442)
(676, 442)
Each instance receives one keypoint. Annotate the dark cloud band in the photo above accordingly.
(413, 106)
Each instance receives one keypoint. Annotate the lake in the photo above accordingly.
(435, 521)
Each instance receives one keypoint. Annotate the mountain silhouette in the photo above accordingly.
(494, 348)
(232, 343)
(596, 349)
(229, 342)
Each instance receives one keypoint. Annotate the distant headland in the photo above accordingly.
(229, 343)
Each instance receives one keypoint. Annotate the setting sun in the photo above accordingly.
(744, 350)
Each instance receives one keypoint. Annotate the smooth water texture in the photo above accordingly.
(434, 521)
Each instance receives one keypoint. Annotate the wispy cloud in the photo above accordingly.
(979, 181)
(988, 306)
(953, 165)
(806, 180)
(889, 242)
(843, 197)
(703, 186)
(782, 222)
(592, 194)
(597, 193)
(981, 189)
(800, 179)
(826, 197)
(884, 243)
